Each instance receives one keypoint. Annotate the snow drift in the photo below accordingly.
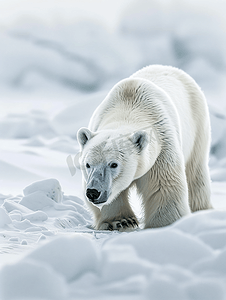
(183, 261)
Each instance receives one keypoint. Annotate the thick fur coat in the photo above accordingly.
(152, 131)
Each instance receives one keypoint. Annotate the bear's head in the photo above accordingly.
(110, 162)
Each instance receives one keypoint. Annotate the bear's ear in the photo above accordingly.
(84, 135)
(140, 140)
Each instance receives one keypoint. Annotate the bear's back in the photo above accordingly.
(186, 96)
(184, 103)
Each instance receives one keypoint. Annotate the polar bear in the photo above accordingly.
(152, 131)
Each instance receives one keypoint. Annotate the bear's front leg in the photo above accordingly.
(118, 215)
(165, 197)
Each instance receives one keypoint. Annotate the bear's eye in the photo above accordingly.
(114, 165)
(87, 166)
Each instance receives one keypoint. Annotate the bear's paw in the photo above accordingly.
(124, 224)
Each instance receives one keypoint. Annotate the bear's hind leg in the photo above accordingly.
(118, 215)
(197, 171)
(198, 180)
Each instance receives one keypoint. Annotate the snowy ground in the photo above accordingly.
(53, 74)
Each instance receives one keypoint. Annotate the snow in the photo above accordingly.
(31, 280)
(58, 61)
(50, 187)
(4, 218)
(185, 259)
(36, 201)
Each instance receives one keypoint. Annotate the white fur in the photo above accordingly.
(171, 172)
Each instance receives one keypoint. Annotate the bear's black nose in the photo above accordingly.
(92, 194)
